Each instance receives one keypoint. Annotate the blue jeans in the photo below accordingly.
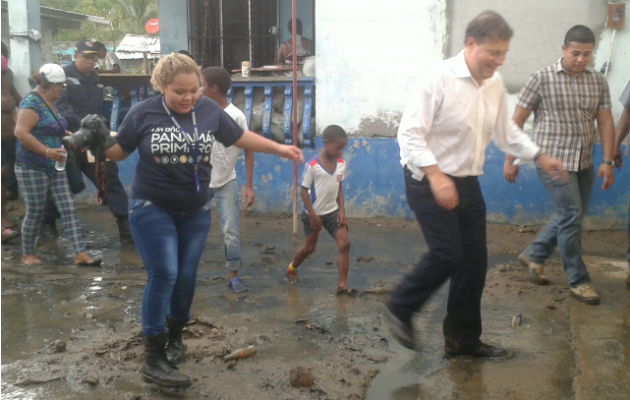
(170, 244)
(227, 200)
(564, 229)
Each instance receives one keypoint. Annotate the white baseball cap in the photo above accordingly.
(53, 73)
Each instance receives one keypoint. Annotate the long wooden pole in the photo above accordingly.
(294, 113)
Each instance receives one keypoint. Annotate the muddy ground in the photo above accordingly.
(74, 332)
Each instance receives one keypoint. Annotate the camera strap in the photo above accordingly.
(193, 144)
(102, 180)
(54, 114)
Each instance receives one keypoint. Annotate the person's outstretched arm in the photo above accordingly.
(254, 142)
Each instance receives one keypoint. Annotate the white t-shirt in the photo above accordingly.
(322, 185)
(223, 159)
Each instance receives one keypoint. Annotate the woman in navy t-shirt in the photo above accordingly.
(169, 209)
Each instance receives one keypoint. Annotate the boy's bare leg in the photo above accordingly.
(343, 257)
(310, 242)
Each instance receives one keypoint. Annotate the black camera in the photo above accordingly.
(93, 134)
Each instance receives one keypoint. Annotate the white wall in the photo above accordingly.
(368, 54)
(539, 27)
(619, 72)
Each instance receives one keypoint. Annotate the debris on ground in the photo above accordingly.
(516, 321)
(301, 377)
(241, 353)
(57, 346)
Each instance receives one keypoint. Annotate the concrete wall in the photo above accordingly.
(375, 53)
(369, 57)
(619, 52)
(539, 29)
(375, 187)
(173, 16)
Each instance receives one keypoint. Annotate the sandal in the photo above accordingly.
(9, 234)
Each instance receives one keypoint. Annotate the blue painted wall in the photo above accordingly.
(375, 186)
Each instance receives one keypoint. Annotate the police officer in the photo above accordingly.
(84, 95)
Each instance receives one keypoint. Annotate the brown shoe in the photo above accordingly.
(585, 293)
(628, 281)
(535, 270)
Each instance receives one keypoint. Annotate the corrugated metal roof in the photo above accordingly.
(134, 46)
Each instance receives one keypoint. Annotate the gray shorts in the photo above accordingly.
(329, 222)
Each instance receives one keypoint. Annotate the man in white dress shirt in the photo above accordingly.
(460, 106)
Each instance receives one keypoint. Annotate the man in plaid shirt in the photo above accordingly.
(566, 97)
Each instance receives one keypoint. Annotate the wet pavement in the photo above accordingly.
(563, 349)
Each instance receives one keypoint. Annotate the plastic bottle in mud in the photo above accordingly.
(241, 353)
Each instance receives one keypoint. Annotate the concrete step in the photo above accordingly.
(600, 335)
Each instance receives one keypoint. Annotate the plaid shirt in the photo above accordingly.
(564, 109)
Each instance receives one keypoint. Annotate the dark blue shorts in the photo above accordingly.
(329, 222)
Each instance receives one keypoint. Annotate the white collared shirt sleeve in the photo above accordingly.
(508, 137)
(416, 123)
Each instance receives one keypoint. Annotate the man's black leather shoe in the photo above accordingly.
(482, 350)
(401, 330)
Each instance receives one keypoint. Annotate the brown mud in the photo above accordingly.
(74, 332)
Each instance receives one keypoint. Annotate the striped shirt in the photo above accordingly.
(564, 111)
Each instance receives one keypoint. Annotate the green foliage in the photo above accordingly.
(125, 16)
(135, 13)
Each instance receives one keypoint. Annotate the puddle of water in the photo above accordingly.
(425, 374)
(45, 303)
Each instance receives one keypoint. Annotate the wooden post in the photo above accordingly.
(294, 115)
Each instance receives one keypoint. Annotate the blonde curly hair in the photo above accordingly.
(171, 65)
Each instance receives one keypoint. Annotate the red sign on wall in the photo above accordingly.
(152, 26)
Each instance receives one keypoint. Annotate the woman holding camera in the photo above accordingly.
(169, 207)
(39, 130)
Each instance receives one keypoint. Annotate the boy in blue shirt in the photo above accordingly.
(322, 195)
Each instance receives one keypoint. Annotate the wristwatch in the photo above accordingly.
(608, 162)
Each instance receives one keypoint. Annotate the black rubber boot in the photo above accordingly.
(175, 349)
(157, 369)
(123, 231)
